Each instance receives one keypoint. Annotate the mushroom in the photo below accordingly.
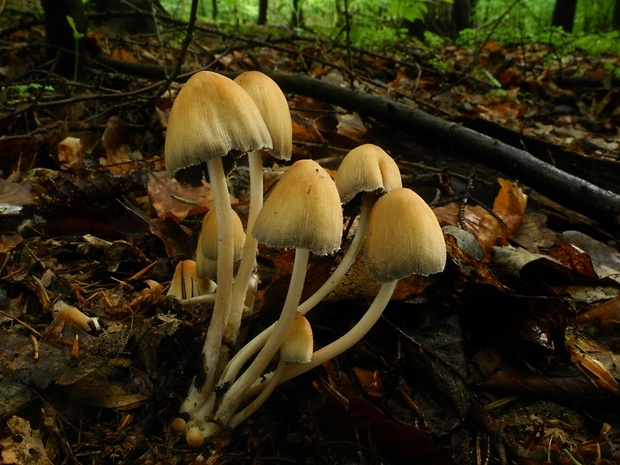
(207, 247)
(186, 284)
(302, 212)
(273, 107)
(404, 238)
(212, 117)
(366, 171)
(296, 347)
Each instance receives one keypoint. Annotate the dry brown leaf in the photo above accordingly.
(168, 197)
(489, 228)
(121, 54)
(71, 152)
(605, 316)
(14, 194)
(582, 352)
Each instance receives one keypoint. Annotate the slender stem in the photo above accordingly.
(236, 392)
(253, 406)
(213, 341)
(248, 259)
(349, 339)
(347, 259)
(340, 345)
(243, 355)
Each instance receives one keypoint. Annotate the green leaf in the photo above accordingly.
(77, 35)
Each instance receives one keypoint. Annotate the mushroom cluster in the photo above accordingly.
(215, 120)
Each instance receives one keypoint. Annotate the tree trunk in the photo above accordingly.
(564, 14)
(262, 12)
(616, 17)
(461, 10)
(60, 39)
(297, 18)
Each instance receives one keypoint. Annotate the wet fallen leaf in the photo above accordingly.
(24, 445)
(434, 364)
(590, 357)
(603, 317)
(605, 259)
(392, 437)
(571, 386)
(371, 381)
(22, 370)
(489, 228)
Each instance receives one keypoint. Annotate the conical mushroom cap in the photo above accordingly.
(302, 211)
(273, 106)
(207, 247)
(404, 238)
(366, 168)
(298, 343)
(212, 116)
(185, 283)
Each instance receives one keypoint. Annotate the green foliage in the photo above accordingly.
(24, 91)
(77, 35)
(433, 40)
(411, 10)
(612, 68)
(528, 21)
(598, 44)
(379, 23)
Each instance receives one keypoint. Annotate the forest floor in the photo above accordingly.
(508, 356)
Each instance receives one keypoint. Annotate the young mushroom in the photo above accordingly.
(207, 247)
(213, 117)
(186, 284)
(302, 212)
(296, 347)
(404, 238)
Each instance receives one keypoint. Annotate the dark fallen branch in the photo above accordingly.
(572, 82)
(560, 186)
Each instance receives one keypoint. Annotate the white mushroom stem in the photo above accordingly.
(236, 393)
(347, 259)
(248, 260)
(251, 347)
(253, 406)
(211, 349)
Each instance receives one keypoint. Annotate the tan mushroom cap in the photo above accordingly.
(212, 116)
(186, 284)
(404, 238)
(302, 211)
(366, 168)
(273, 106)
(207, 247)
(298, 343)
